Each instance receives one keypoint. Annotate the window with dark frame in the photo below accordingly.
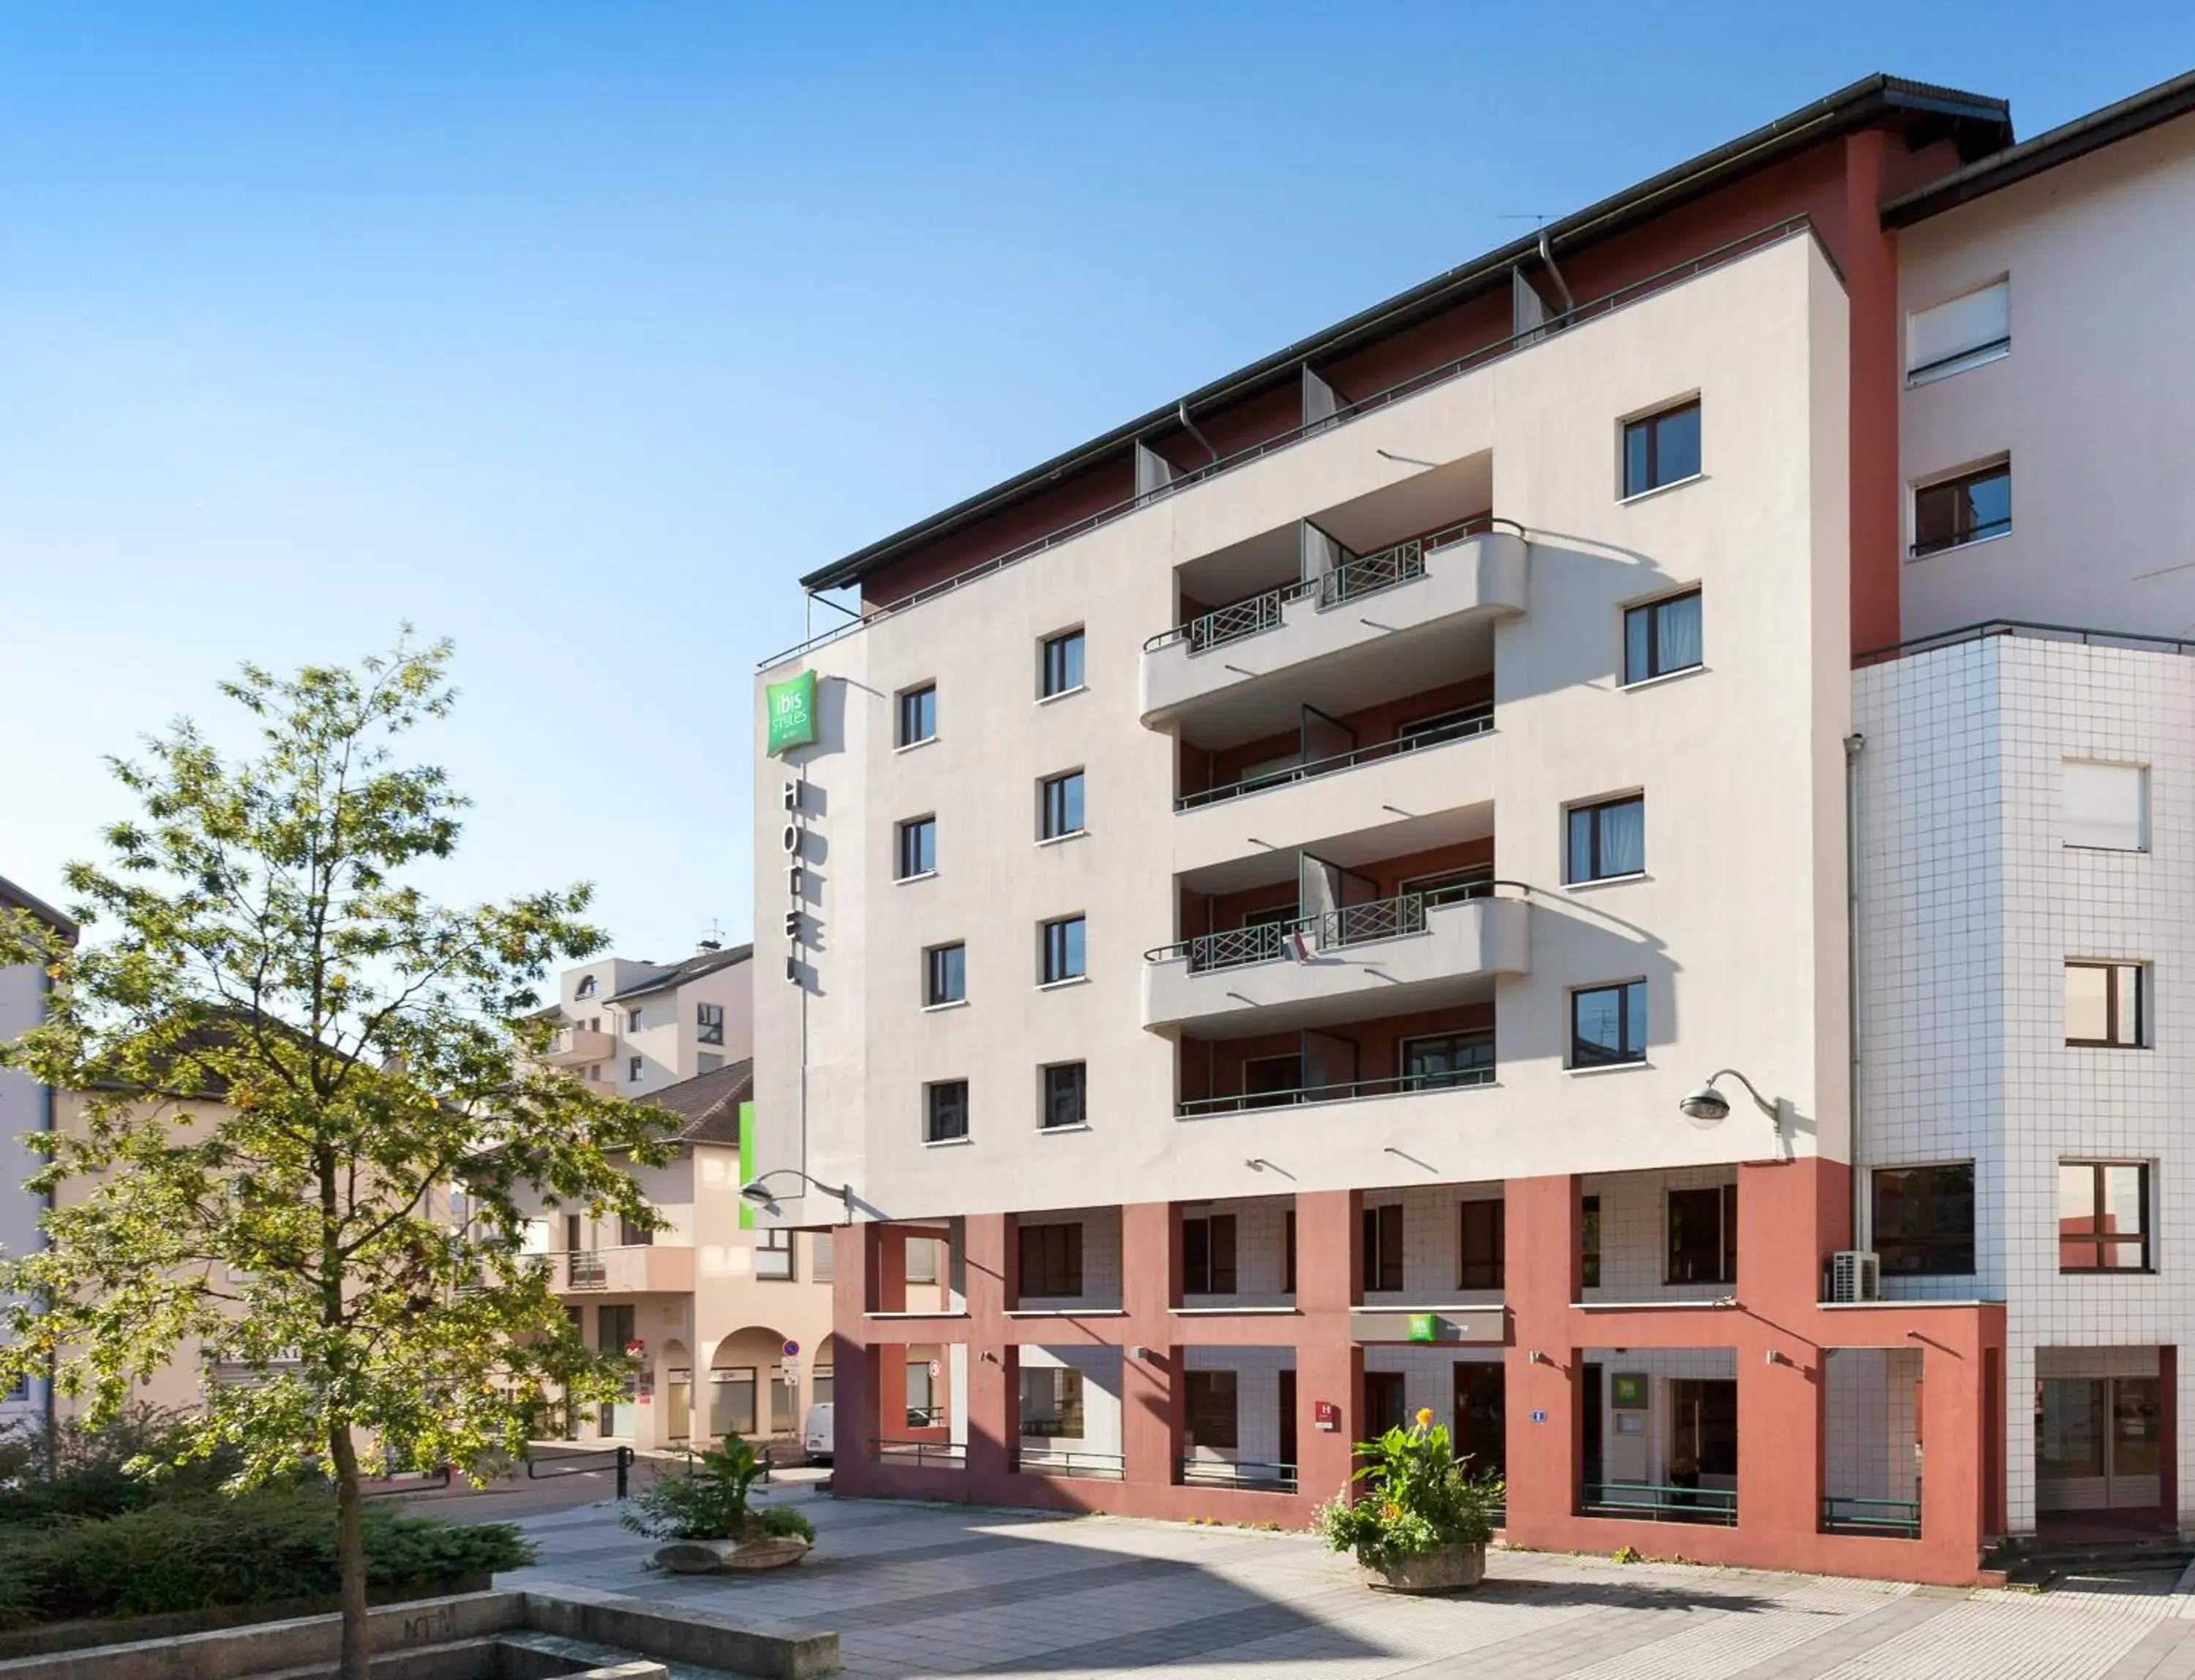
(1924, 1219)
(1066, 1095)
(1661, 636)
(1288, 1253)
(1062, 806)
(1589, 1241)
(1608, 1024)
(918, 848)
(1480, 1238)
(1052, 1260)
(944, 975)
(1962, 509)
(586, 986)
(1607, 838)
(1447, 1059)
(633, 1235)
(709, 1022)
(632, 1067)
(1662, 448)
(1209, 1411)
(1702, 1236)
(1064, 950)
(773, 1257)
(2103, 1216)
(1051, 1402)
(1208, 1255)
(917, 714)
(2106, 1005)
(945, 1111)
(1061, 671)
(1383, 1247)
(1271, 1081)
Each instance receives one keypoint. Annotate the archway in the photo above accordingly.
(674, 1394)
(748, 1396)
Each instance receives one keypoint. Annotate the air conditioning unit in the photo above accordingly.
(1855, 1274)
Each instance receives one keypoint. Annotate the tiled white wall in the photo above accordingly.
(1971, 902)
(1867, 1405)
(1261, 1249)
(1637, 1458)
(1431, 1235)
(1101, 1396)
(1634, 1234)
(1257, 1398)
(1428, 1375)
(1101, 1260)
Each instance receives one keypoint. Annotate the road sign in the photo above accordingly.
(1539, 1417)
(792, 1349)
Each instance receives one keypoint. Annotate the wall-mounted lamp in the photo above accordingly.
(1535, 1357)
(1707, 1107)
(757, 1192)
(1778, 1357)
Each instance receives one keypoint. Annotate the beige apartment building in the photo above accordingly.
(1259, 896)
(26, 1108)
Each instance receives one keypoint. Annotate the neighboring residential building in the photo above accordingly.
(638, 1026)
(26, 1107)
(1260, 891)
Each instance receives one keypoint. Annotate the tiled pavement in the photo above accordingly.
(917, 1590)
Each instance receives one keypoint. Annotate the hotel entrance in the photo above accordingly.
(2098, 1443)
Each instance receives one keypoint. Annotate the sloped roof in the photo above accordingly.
(708, 1104)
(17, 899)
(677, 973)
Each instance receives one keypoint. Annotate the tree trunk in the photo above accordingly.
(355, 1662)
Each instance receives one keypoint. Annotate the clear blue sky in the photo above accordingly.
(578, 332)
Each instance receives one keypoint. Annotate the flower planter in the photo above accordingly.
(1448, 1568)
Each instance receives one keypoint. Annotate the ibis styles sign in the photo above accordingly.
(792, 708)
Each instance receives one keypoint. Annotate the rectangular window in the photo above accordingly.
(632, 1235)
(1963, 333)
(2104, 1005)
(1481, 1237)
(918, 848)
(1271, 1081)
(732, 1401)
(1662, 448)
(1052, 1260)
(1607, 838)
(1608, 1024)
(1062, 950)
(945, 1111)
(944, 975)
(1066, 1096)
(1704, 1236)
(822, 1386)
(1209, 1409)
(821, 1269)
(632, 1020)
(709, 1022)
(1208, 1255)
(2103, 1216)
(1924, 1219)
(1448, 1059)
(632, 1070)
(1062, 813)
(1589, 1239)
(774, 1256)
(1962, 509)
(917, 714)
(1288, 1254)
(1383, 1247)
(1052, 1403)
(922, 1256)
(1661, 636)
(1062, 671)
(2106, 806)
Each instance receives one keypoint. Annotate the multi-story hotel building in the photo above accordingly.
(1259, 893)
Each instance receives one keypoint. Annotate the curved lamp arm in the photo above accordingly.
(1773, 1110)
(755, 1190)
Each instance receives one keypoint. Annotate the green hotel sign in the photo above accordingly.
(792, 708)
(1424, 1327)
(747, 1163)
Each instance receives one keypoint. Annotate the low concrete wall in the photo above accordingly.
(57, 1636)
(684, 1633)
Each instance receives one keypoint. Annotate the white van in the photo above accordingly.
(817, 1439)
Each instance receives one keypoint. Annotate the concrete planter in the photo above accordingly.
(710, 1557)
(1448, 1568)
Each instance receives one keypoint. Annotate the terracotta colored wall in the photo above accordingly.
(1072, 498)
(1372, 725)
(1379, 1046)
(1208, 914)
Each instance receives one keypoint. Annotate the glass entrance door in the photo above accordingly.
(2097, 1443)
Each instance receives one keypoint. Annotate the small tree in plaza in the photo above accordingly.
(285, 1060)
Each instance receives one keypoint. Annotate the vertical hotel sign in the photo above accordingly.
(792, 708)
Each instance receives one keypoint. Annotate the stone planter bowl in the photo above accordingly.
(1445, 1569)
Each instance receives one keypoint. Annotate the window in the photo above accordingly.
(1961, 334)
(1662, 448)
(586, 988)
(1453, 886)
(822, 1386)
(774, 1256)
(1444, 726)
(2103, 1216)
(709, 1022)
(945, 1116)
(632, 1235)
(1704, 1236)
(917, 714)
(1481, 1240)
(1608, 1024)
(1062, 950)
(2104, 1005)
(17, 1392)
(1051, 1402)
(1288, 1254)
(1271, 1081)
(1589, 1240)
(922, 1253)
(1607, 838)
(1209, 1408)
(1962, 510)
(2107, 806)
(944, 975)
(920, 1413)
(632, 1070)
(572, 1243)
(1448, 1059)
(918, 848)
(1062, 664)
(632, 1020)
(820, 1270)
(1383, 1247)
(732, 1401)
(1052, 1260)
(1066, 1096)
(1062, 804)
(1208, 1255)
(1924, 1219)
(1661, 636)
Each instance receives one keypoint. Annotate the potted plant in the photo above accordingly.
(1423, 1519)
(702, 1509)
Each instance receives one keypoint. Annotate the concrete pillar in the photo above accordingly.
(856, 1399)
(1543, 1265)
(1782, 1207)
(1150, 1382)
(994, 1403)
(1330, 1364)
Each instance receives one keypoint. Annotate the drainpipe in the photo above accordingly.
(1855, 743)
(1548, 256)
(1181, 413)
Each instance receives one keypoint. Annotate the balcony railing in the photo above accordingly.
(1656, 1503)
(584, 1268)
(1250, 1474)
(944, 1455)
(1058, 1461)
(1349, 1090)
(1463, 725)
(1893, 1519)
(1397, 918)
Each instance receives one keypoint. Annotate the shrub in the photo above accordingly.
(1418, 1496)
(125, 1466)
(708, 1500)
(779, 1520)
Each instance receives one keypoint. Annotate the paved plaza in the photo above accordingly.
(916, 1590)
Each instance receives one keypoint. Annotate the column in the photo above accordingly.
(1543, 1271)
(994, 1403)
(1330, 1364)
(855, 1398)
(1782, 1210)
(1151, 1364)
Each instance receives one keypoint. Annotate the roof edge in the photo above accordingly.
(12, 894)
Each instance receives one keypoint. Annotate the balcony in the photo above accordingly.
(576, 1046)
(1263, 654)
(1390, 956)
(645, 1268)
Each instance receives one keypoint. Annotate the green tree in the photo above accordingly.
(288, 1057)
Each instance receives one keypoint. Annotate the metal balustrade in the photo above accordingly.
(1252, 1476)
(1058, 1461)
(922, 1454)
(1893, 1519)
(1349, 1090)
(1401, 917)
(585, 1268)
(1657, 1504)
(1471, 721)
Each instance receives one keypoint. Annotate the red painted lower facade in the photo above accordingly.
(1792, 1215)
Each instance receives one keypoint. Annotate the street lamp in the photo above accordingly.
(1706, 1107)
(757, 1192)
